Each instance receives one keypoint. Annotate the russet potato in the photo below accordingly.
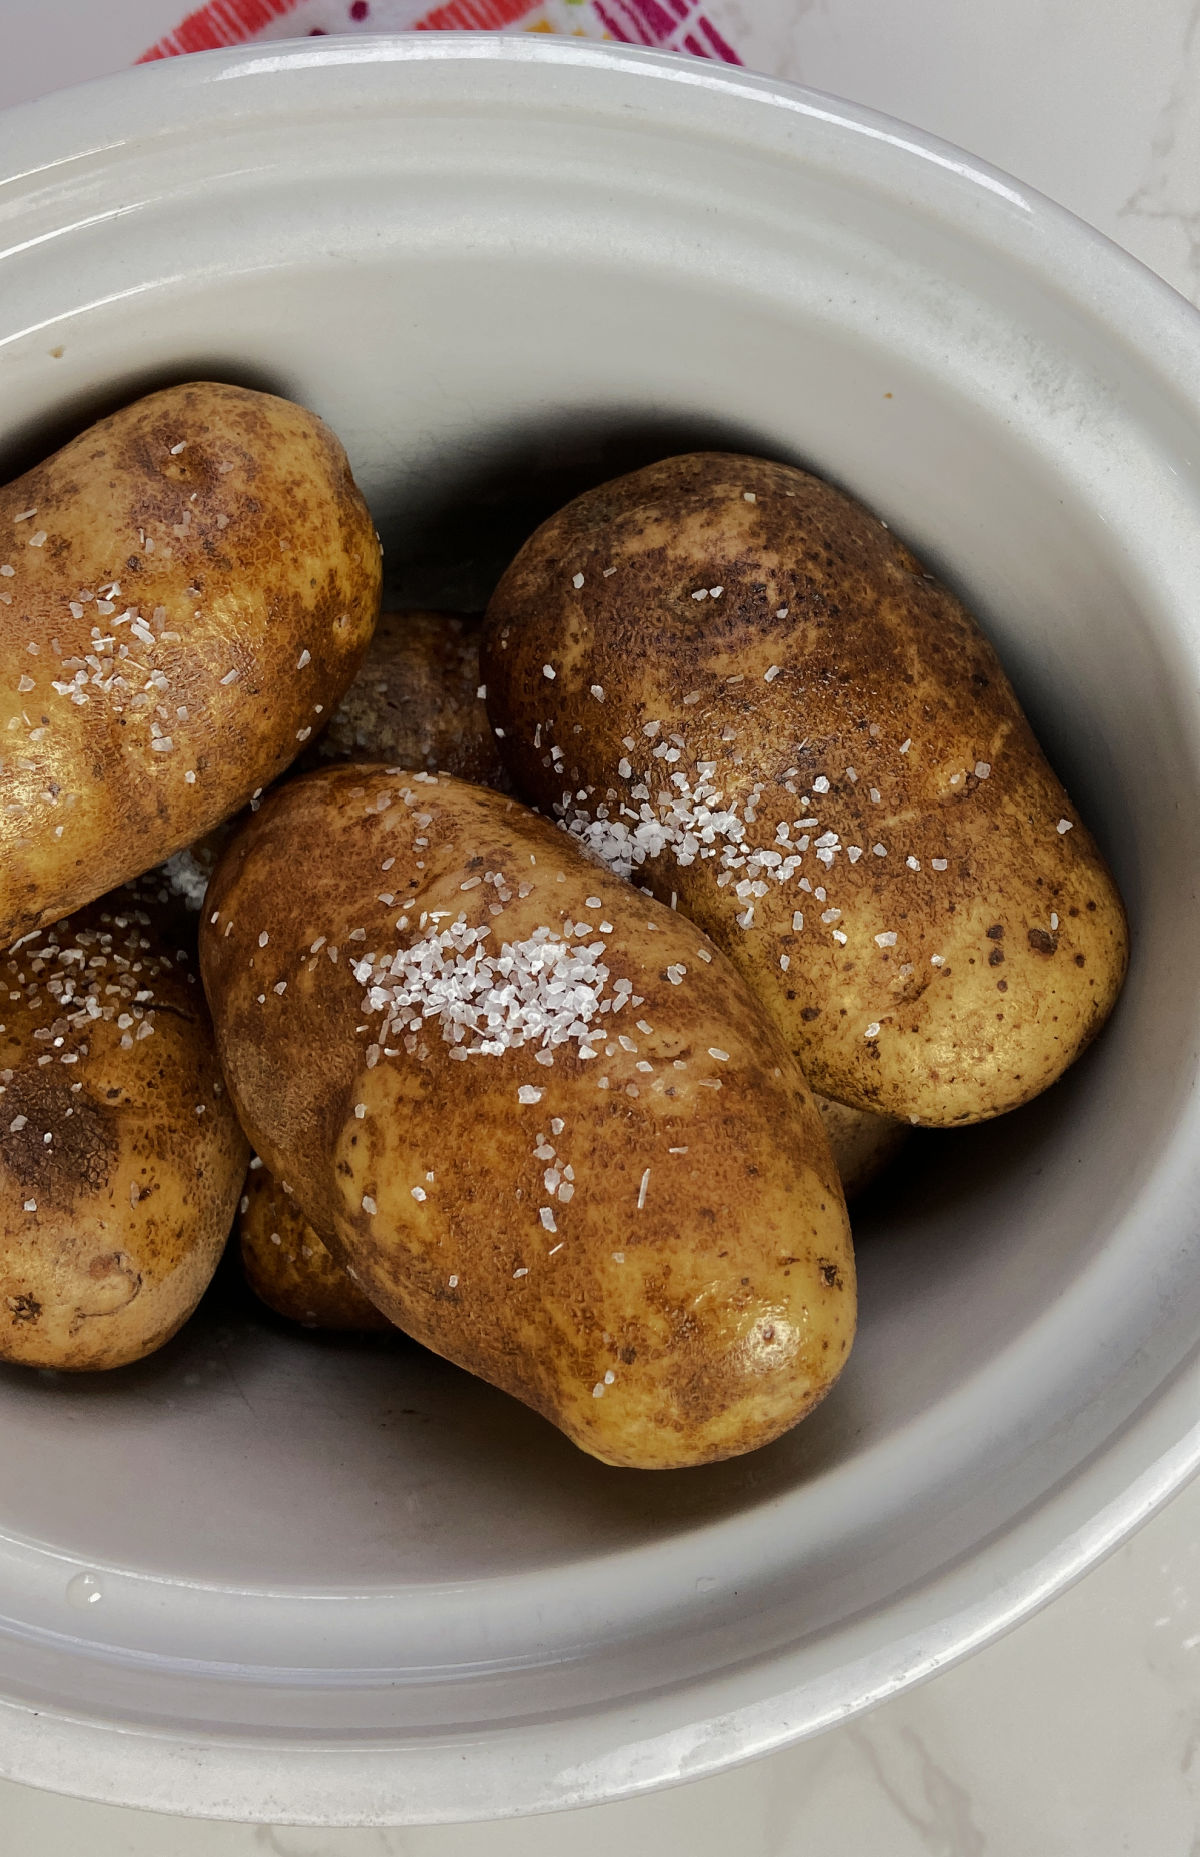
(417, 702)
(734, 685)
(863, 1145)
(288, 1267)
(120, 1156)
(417, 699)
(185, 592)
(539, 1115)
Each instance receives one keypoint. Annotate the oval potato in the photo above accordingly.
(416, 701)
(771, 711)
(647, 1244)
(863, 1144)
(288, 1267)
(120, 1156)
(186, 589)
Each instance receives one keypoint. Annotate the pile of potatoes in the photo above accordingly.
(532, 1086)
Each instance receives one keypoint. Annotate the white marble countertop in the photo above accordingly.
(1079, 1734)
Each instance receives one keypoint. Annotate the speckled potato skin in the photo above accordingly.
(415, 702)
(863, 1144)
(722, 1307)
(288, 1267)
(110, 1232)
(233, 517)
(856, 668)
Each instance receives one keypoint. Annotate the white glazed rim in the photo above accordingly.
(700, 1727)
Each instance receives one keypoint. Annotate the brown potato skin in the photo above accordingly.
(415, 702)
(881, 671)
(256, 545)
(863, 1145)
(288, 1267)
(135, 1195)
(733, 1309)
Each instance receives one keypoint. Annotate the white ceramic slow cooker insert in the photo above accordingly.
(276, 1577)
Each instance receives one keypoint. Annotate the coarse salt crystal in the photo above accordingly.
(548, 671)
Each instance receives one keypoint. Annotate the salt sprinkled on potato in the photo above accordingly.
(539, 1116)
(184, 591)
(808, 744)
(120, 1156)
